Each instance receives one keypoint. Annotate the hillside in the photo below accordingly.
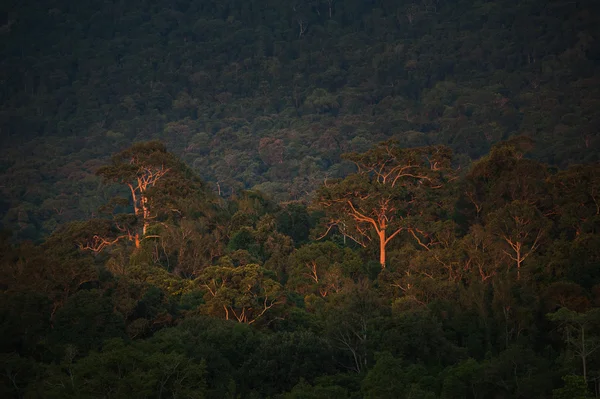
(268, 94)
(407, 278)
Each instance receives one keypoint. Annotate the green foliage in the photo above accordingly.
(17, 373)
(283, 359)
(575, 388)
(295, 222)
(314, 81)
(244, 239)
(576, 194)
(505, 176)
(581, 333)
(137, 370)
(322, 268)
(518, 371)
(394, 190)
(349, 321)
(415, 335)
(223, 298)
(25, 321)
(463, 380)
(389, 378)
(245, 293)
(304, 390)
(85, 321)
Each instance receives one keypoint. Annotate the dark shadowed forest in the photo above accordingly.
(305, 199)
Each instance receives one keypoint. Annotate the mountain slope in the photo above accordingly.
(268, 95)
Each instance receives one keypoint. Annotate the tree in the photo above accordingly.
(294, 221)
(322, 101)
(140, 168)
(164, 194)
(138, 369)
(86, 320)
(243, 293)
(17, 372)
(575, 388)
(348, 319)
(55, 269)
(394, 190)
(579, 332)
(271, 150)
(504, 175)
(462, 380)
(321, 268)
(270, 366)
(577, 197)
(517, 372)
(330, 4)
(189, 246)
(522, 227)
(482, 255)
(391, 378)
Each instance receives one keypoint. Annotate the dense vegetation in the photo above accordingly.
(268, 94)
(306, 199)
(404, 279)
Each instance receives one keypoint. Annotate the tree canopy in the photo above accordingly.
(487, 285)
(307, 199)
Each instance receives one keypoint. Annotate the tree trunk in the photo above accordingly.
(519, 261)
(145, 214)
(382, 243)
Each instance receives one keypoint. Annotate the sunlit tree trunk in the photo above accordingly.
(382, 248)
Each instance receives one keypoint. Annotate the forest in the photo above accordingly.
(300, 199)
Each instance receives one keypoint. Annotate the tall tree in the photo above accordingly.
(140, 167)
(522, 227)
(393, 190)
(244, 293)
(322, 268)
(580, 334)
(162, 189)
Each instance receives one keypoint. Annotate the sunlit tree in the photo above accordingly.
(393, 191)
